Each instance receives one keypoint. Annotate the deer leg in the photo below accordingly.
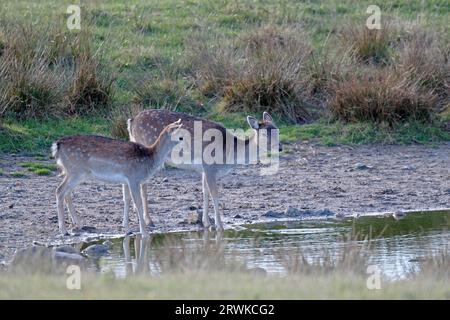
(205, 190)
(148, 220)
(142, 258)
(73, 214)
(211, 181)
(136, 196)
(126, 207)
(63, 189)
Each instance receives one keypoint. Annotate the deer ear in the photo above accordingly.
(267, 117)
(253, 122)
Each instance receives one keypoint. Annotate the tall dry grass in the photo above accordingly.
(269, 69)
(399, 73)
(395, 74)
(46, 73)
(382, 97)
(119, 117)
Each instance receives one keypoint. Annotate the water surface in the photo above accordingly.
(396, 246)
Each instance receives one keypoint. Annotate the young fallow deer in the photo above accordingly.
(89, 157)
(144, 129)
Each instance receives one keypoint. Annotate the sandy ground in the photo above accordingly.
(345, 180)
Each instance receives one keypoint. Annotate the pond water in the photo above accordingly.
(396, 246)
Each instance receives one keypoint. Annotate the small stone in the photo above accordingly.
(165, 180)
(107, 243)
(88, 229)
(326, 212)
(292, 212)
(361, 166)
(409, 168)
(273, 214)
(95, 251)
(192, 207)
(398, 215)
(193, 218)
(11, 206)
(339, 215)
(238, 216)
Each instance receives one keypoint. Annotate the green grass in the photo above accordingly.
(17, 174)
(142, 38)
(216, 285)
(34, 136)
(142, 32)
(334, 133)
(41, 169)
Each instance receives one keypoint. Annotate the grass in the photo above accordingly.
(41, 169)
(32, 136)
(36, 136)
(218, 285)
(143, 47)
(334, 133)
(17, 174)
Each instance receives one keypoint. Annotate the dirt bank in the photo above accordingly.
(345, 180)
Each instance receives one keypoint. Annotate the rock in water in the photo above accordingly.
(66, 249)
(108, 243)
(68, 258)
(96, 251)
(292, 212)
(273, 214)
(339, 215)
(398, 215)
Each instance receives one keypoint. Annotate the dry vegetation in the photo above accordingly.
(365, 75)
(244, 60)
(269, 68)
(45, 73)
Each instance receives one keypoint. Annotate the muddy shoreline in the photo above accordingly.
(312, 179)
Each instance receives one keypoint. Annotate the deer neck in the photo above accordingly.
(160, 149)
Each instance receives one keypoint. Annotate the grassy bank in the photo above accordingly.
(309, 63)
(33, 137)
(220, 286)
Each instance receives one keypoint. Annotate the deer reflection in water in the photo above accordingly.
(172, 254)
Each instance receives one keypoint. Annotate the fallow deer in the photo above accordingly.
(144, 129)
(90, 157)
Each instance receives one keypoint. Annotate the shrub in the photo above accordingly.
(266, 69)
(425, 58)
(44, 73)
(90, 88)
(383, 97)
(368, 45)
(119, 119)
(28, 87)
